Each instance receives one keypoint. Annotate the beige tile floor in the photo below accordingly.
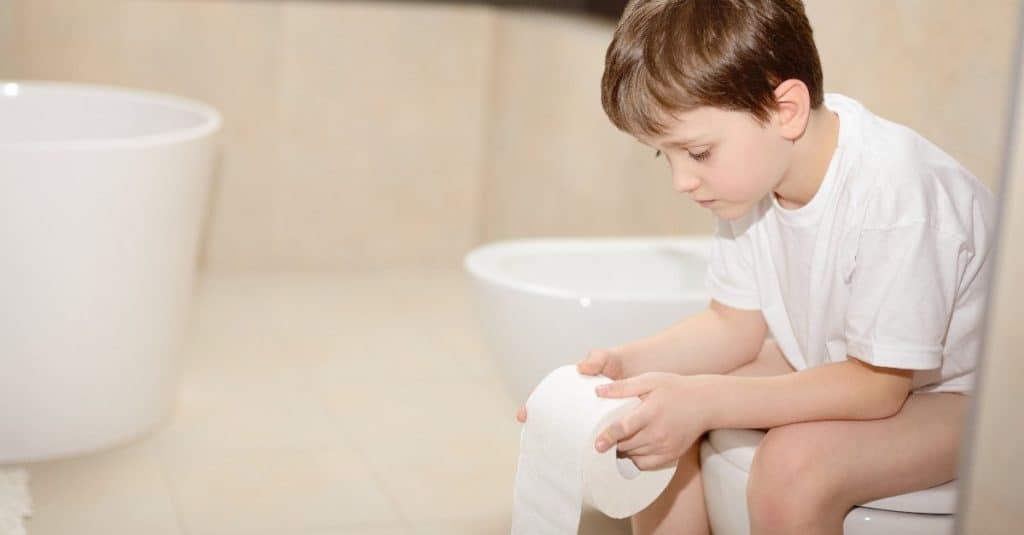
(357, 404)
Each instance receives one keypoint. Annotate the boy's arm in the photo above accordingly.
(717, 340)
(850, 390)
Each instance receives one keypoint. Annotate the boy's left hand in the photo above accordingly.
(672, 415)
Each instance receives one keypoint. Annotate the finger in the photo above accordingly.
(653, 462)
(593, 363)
(521, 415)
(612, 367)
(638, 444)
(623, 429)
(627, 388)
(642, 451)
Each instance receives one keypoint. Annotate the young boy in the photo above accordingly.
(859, 246)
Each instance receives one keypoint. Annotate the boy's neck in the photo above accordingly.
(812, 153)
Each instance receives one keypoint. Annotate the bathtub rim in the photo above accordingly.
(211, 119)
(474, 263)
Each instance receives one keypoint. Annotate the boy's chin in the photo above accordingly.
(732, 212)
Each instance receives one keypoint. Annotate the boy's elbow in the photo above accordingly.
(894, 396)
(747, 328)
(890, 388)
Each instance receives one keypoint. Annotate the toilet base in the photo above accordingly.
(725, 491)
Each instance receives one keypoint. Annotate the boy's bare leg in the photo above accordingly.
(680, 509)
(827, 467)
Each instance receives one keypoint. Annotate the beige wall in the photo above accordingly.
(366, 134)
(995, 487)
(6, 35)
(555, 165)
(941, 67)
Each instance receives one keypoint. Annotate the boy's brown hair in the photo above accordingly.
(670, 56)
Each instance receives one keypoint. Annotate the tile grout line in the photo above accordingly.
(339, 427)
(172, 495)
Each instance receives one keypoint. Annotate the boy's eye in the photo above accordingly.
(700, 157)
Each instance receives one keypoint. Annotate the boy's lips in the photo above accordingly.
(706, 203)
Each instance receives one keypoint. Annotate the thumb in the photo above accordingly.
(594, 363)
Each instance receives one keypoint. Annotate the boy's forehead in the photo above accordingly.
(679, 127)
(686, 126)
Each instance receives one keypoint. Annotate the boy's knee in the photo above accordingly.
(787, 485)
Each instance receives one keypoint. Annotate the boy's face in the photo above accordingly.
(724, 160)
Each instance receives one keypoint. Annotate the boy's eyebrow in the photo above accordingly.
(683, 141)
(679, 142)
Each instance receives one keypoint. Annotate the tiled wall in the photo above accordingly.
(368, 134)
(941, 67)
(6, 35)
(555, 165)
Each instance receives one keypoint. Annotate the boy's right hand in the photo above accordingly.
(597, 362)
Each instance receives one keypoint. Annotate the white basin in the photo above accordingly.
(544, 303)
(102, 195)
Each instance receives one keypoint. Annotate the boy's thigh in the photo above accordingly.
(858, 461)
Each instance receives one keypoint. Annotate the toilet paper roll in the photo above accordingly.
(559, 469)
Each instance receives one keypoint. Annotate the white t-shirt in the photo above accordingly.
(888, 263)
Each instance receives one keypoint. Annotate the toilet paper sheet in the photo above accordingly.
(559, 469)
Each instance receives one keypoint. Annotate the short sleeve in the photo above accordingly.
(730, 277)
(903, 292)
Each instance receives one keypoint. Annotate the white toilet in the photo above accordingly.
(544, 303)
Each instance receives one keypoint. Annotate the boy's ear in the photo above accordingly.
(793, 102)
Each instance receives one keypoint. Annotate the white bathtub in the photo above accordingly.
(547, 302)
(102, 194)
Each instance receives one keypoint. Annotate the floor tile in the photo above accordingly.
(484, 525)
(364, 529)
(315, 406)
(283, 490)
(442, 449)
(238, 411)
(592, 522)
(119, 491)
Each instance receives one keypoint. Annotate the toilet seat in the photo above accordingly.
(737, 446)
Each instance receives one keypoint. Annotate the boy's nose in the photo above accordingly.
(685, 183)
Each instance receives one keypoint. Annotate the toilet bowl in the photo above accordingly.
(726, 456)
(544, 303)
(103, 195)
